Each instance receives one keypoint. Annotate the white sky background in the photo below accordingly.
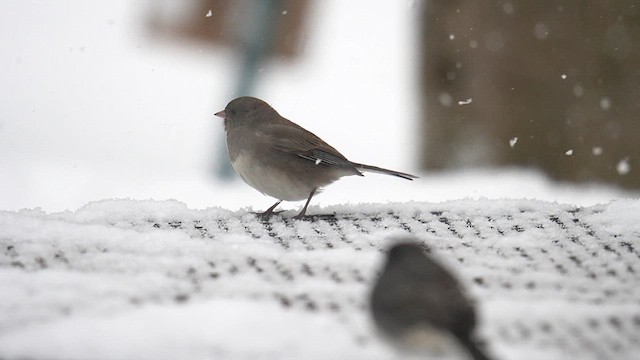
(94, 109)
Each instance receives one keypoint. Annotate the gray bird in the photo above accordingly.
(417, 304)
(280, 158)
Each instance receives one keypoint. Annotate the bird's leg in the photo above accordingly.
(269, 211)
(304, 209)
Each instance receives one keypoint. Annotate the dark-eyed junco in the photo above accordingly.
(418, 304)
(280, 158)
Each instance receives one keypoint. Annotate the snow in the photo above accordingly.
(623, 167)
(129, 279)
(194, 331)
(541, 31)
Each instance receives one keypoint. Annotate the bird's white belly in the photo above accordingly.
(270, 181)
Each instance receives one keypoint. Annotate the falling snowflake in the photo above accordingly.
(541, 31)
(445, 99)
(578, 90)
(465, 102)
(513, 142)
(508, 8)
(623, 167)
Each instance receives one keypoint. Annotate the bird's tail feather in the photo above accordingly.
(384, 171)
(473, 349)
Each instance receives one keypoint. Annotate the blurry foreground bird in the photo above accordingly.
(419, 306)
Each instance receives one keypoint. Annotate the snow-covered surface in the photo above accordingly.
(123, 279)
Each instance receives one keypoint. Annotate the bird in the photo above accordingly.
(282, 159)
(418, 305)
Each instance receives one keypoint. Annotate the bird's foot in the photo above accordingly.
(267, 214)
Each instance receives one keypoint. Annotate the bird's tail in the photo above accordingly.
(473, 349)
(380, 170)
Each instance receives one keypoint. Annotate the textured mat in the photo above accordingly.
(158, 280)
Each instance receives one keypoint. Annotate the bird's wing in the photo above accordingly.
(302, 143)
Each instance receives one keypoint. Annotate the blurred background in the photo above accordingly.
(481, 99)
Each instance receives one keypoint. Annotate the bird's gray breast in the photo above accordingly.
(264, 169)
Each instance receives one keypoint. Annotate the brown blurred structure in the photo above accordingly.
(230, 22)
(563, 77)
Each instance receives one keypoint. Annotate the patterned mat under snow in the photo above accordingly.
(156, 280)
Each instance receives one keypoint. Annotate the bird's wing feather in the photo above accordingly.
(300, 142)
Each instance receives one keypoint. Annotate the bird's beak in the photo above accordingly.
(221, 114)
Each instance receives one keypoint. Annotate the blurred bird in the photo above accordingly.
(419, 306)
(280, 158)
